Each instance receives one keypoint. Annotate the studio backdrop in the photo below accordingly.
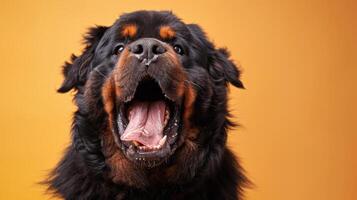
(297, 137)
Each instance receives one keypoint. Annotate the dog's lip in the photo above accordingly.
(143, 155)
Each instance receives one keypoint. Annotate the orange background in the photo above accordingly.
(298, 114)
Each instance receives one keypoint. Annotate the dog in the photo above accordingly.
(152, 118)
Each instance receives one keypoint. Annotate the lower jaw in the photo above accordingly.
(151, 159)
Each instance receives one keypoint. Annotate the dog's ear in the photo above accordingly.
(76, 70)
(221, 68)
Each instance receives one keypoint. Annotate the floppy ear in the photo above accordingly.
(223, 67)
(219, 66)
(76, 70)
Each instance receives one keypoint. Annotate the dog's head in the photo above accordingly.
(152, 93)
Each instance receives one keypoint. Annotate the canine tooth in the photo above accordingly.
(162, 141)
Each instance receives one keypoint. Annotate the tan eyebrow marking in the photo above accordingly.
(166, 32)
(129, 30)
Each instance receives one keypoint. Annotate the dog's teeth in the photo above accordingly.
(136, 143)
(162, 141)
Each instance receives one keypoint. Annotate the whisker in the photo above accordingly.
(195, 84)
(99, 72)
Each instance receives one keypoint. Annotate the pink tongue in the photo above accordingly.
(146, 123)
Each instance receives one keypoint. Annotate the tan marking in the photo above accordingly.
(190, 97)
(122, 171)
(108, 95)
(178, 71)
(166, 32)
(129, 30)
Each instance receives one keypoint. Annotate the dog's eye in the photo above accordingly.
(118, 49)
(178, 49)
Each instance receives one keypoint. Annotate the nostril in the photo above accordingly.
(138, 49)
(158, 49)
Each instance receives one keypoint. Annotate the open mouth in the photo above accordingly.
(148, 124)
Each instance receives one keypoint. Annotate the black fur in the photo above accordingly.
(209, 172)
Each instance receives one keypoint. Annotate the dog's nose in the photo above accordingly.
(147, 50)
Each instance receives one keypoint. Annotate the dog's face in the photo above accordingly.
(154, 89)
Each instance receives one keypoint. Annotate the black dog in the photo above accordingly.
(151, 123)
